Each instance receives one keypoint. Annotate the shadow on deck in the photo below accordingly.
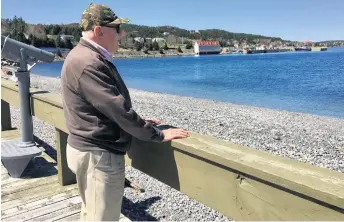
(38, 196)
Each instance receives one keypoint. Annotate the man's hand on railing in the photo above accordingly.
(170, 134)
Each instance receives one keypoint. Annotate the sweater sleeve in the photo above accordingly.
(100, 90)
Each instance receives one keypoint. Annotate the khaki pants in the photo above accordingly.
(100, 177)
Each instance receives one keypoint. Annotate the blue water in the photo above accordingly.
(308, 82)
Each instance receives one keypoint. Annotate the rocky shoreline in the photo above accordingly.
(124, 54)
(317, 140)
(151, 54)
(314, 139)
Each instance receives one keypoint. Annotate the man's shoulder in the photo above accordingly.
(82, 56)
(79, 59)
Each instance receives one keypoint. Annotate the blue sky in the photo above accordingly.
(289, 19)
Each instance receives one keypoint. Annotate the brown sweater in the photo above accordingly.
(97, 104)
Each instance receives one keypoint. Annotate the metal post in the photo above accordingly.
(25, 111)
(23, 76)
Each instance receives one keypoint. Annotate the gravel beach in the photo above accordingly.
(317, 140)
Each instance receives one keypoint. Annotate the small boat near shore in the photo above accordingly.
(305, 48)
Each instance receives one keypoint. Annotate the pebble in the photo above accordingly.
(317, 140)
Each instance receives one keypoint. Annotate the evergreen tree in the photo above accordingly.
(77, 34)
(68, 44)
(223, 44)
(138, 46)
(179, 49)
(56, 29)
(21, 38)
(188, 45)
(156, 46)
(58, 42)
(165, 46)
(33, 41)
(150, 47)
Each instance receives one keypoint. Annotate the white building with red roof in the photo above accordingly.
(207, 47)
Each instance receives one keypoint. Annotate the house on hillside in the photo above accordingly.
(193, 31)
(127, 42)
(171, 39)
(207, 47)
(149, 41)
(139, 39)
(66, 37)
(159, 40)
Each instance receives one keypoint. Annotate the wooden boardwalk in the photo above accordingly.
(37, 195)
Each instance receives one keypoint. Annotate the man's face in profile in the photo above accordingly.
(111, 37)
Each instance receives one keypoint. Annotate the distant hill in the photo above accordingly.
(9, 26)
(42, 31)
(43, 35)
(333, 43)
(208, 34)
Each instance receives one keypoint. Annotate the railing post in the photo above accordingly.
(65, 175)
(5, 116)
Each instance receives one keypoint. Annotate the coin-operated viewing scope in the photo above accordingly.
(27, 56)
(22, 53)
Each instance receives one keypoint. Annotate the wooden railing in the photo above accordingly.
(240, 182)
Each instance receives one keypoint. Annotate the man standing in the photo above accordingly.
(99, 116)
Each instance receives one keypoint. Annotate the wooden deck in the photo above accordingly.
(37, 196)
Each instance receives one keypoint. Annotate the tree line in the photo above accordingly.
(154, 46)
(40, 35)
(208, 34)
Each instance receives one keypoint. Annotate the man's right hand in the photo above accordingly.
(170, 134)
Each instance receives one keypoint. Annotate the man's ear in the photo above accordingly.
(98, 31)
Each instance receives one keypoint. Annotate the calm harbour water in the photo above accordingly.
(308, 82)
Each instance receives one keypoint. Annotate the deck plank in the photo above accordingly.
(38, 203)
(62, 211)
(34, 197)
(37, 190)
(10, 182)
(51, 210)
(71, 215)
(19, 186)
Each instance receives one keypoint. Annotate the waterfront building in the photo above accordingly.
(207, 47)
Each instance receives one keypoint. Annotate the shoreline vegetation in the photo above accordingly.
(314, 139)
(125, 53)
(130, 54)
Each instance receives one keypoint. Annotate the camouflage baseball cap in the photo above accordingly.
(99, 14)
